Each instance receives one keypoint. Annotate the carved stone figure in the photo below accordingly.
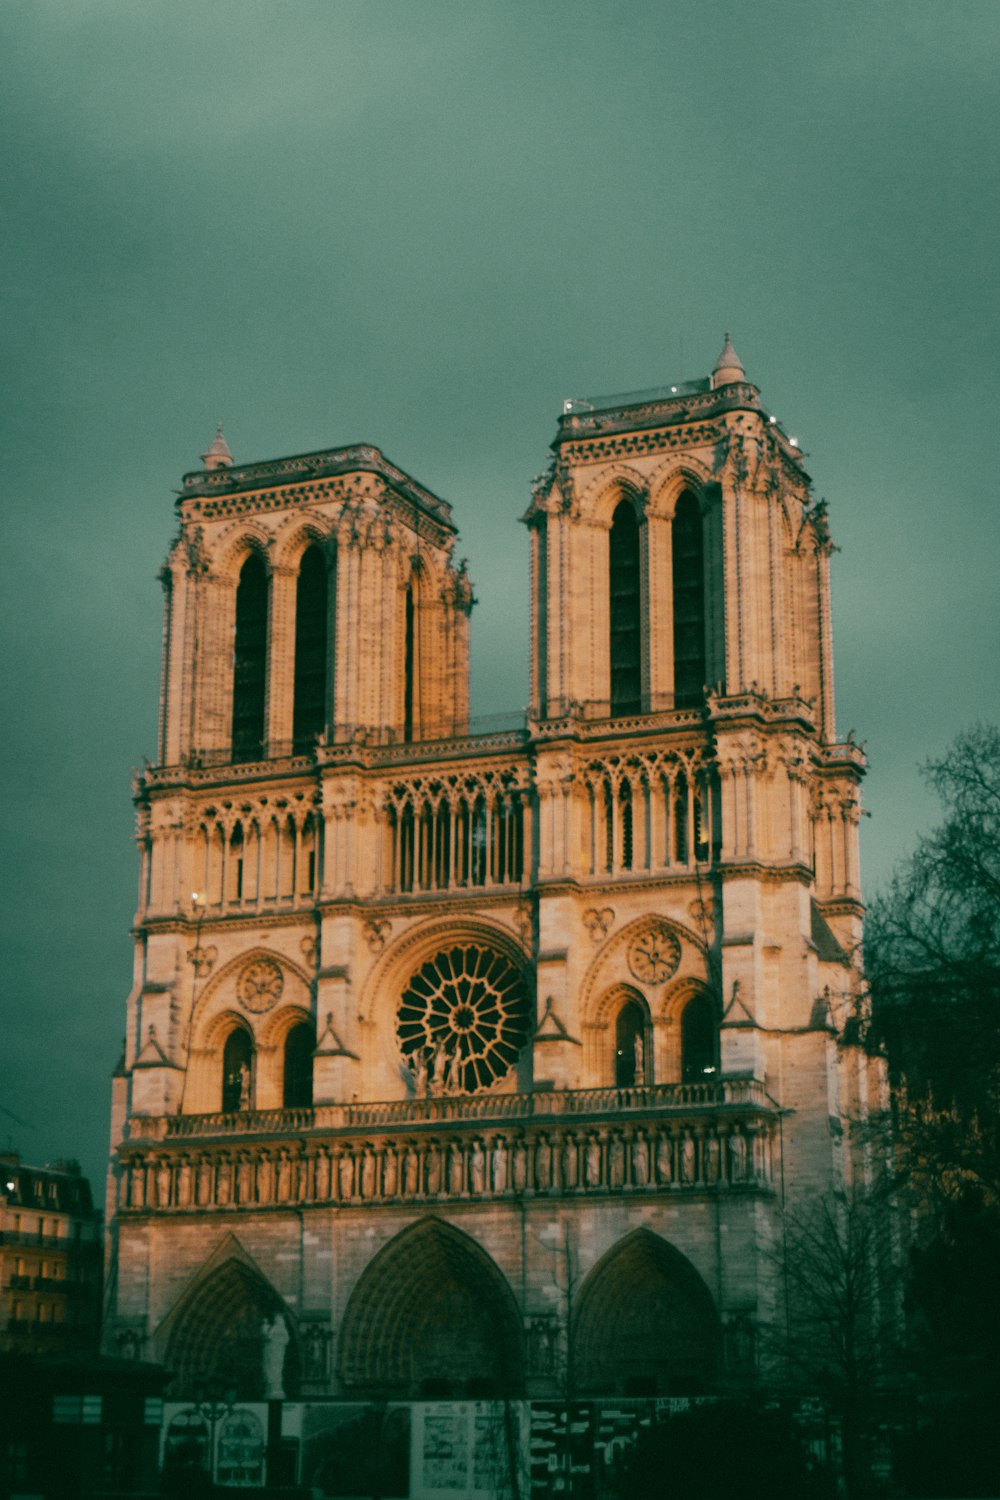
(477, 1168)
(389, 1173)
(712, 1157)
(411, 1173)
(420, 1074)
(688, 1158)
(543, 1165)
(569, 1161)
(499, 1166)
(301, 1179)
(520, 1167)
(137, 1184)
(345, 1172)
(592, 1163)
(322, 1175)
(244, 1179)
(163, 1184)
(665, 1158)
(224, 1181)
(275, 1343)
(616, 1162)
(368, 1174)
(438, 1068)
(639, 1052)
(433, 1170)
(265, 1179)
(244, 1071)
(204, 1180)
(316, 1346)
(455, 1072)
(640, 1161)
(454, 1168)
(284, 1177)
(184, 1184)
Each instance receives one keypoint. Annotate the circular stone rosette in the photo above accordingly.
(465, 1017)
(260, 984)
(654, 955)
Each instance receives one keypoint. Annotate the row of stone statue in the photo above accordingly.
(571, 1161)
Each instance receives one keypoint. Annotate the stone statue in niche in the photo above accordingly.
(345, 1171)
(163, 1184)
(244, 1180)
(368, 1166)
(224, 1181)
(315, 1346)
(136, 1184)
(499, 1165)
(275, 1343)
(712, 1158)
(477, 1168)
(420, 1074)
(543, 1164)
(389, 1173)
(454, 1168)
(284, 1177)
(665, 1158)
(455, 1071)
(688, 1158)
(640, 1161)
(592, 1162)
(204, 1180)
(520, 1167)
(411, 1173)
(433, 1170)
(301, 1179)
(616, 1162)
(184, 1184)
(569, 1161)
(639, 1053)
(244, 1072)
(265, 1179)
(322, 1175)
(438, 1069)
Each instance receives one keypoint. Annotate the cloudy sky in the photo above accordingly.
(422, 224)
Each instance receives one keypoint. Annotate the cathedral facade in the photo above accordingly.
(464, 1063)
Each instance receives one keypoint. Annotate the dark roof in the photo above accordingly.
(824, 941)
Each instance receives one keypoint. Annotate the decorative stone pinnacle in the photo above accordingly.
(728, 366)
(218, 455)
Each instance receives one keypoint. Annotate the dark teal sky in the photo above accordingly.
(423, 225)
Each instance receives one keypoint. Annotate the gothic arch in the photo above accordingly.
(235, 545)
(299, 533)
(607, 1038)
(404, 956)
(221, 1334)
(645, 1323)
(603, 495)
(218, 995)
(610, 964)
(671, 480)
(432, 1314)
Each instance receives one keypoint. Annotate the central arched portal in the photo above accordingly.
(432, 1316)
(645, 1324)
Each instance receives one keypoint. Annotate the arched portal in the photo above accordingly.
(645, 1324)
(631, 1045)
(237, 1071)
(232, 1335)
(432, 1316)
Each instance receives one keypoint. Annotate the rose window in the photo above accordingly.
(463, 1019)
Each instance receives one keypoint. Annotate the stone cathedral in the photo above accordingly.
(465, 1062)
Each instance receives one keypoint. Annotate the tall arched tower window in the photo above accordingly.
(409, 660)
(699, 1040)
(631, 1060)
(250, 660)
(689, 603)
(625, 612)
(311, 651)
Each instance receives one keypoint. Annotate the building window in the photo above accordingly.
(689, 603)
(250, 661)
(312, 635)
(409, 661)
(237, 1071)
(631, 1059)
(300, 1044)
(699, 1040)
(625, 612)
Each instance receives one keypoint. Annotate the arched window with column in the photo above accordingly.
(297, 1076)
(312, 653)
(237, 1071)
(625, 612)
(689, 603)
(700, 1039)
(250, 660)
(632, 1060)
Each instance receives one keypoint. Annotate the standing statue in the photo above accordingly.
(665, 1158)
(543, 1165)
(640, 1161)
(244, 1074)
(454, 1169)
(639, 1053)
(345, 1172)
(368, 1166)
(592, 1162)
(433, 1171)
(163, 1184)
(322, 1175)
(499, 1164)
(520, 1167)
(477, 1168)
(223, 1181)
(688, 1165)
(455, 1071)
(439, 1067)
(616, 1162)
(389, 1173)
(569, 1161)
(420, 1073)
(275, 1343)
(411, 1173)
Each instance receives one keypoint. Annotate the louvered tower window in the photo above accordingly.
(625, 613)
(689, 604)
(250, 661)
(311, 651)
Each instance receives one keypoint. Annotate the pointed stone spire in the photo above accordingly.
(218, 455)
(728, 367)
